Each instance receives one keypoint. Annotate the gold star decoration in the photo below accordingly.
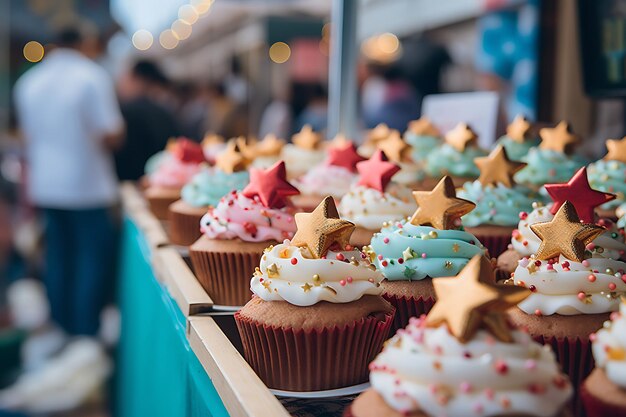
(232, 159)
(271, 145)
(461, 137)
(472, 300)
(306, 138)
(211, 139)
(247, 146)
(340, 141)
(272, 271)
(396, 149)
(520, 129)
(423, 126)
(558, 138)
(320, 229)
(565, 235)
(497, 168)
(617, 150)
(440, 207)
(378, 133)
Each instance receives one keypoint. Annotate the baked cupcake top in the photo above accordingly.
(318, 264)
(374, 199)
(609, 174)
(552, 161)
(498, 198)
(423, 136)
(566, 276)
(456, 156)
(399, 152)
(259, 213)
(464, 359)
(414, 250)
(335, 175)
(609, 346)
(184, 161)
(519, 138)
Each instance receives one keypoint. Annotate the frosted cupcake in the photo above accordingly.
(374, 199)
(463, 359)
(499, 200)
(399, 152)
(304, 153)
(266, 152)
(334, 177)
(552, 161)
(317, 319)
(456, 156)
(237, 230)
(431, 244)
(519, 138)
(604, 391)
(373, 138)
(212, 146)
(205, 190)
(171, 174)
(621, 217)
(423, 137)
(609, 174)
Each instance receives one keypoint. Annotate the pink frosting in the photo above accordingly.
(173, 173)
(237, 216)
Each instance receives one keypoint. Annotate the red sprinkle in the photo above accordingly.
(612, 286)
(523, 215)
(384, 263)
(294, 261)
(501, 367)
(532, 288)
(386, 240)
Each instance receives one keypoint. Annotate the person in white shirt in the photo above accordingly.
(70, 117)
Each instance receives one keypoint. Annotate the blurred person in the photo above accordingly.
(276, 117)
(315, 113)
(149, 124)
(219, 107)
(193, 110)
(71, 121)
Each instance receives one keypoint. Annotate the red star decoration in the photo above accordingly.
(344, 156)
(377, 171)
(188, 151)
(270, 185)
(578, 192)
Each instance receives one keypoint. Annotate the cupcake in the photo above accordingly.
(498, 200)
(423, 137)
(266, 152)
(519, 138)
(237, 230)
(399, 152)
(609, 174)
(212, 146)
(574, 289)
(552, 161)
(304, 153)
(317, 318)
(431, 244)
(374, 199)
(464, 359)
(620, 212)
(373, 138)
(456, 156)
(604, 391)
(171, 174)
(205, 190)
(333, 177)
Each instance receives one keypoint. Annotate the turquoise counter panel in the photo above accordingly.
(157, 373)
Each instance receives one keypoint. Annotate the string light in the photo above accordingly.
(33, 51)
(142, 39)
(168, 39)
(188, 14)
(181, 29)
(280, 52)
(201, 6)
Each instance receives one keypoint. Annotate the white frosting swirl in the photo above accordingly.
(292, 274)
(429, 370)
(409, 173)
(326, 180)
(609, 347)
(369, 208)
(298, 160)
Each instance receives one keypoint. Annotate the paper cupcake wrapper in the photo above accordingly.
(184, 228)
(407, 307)
(313, 360)
(496, 244)
(576, 360)
(159, 206)
(225, 275)
(595, 407)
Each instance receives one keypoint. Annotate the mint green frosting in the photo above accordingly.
(610, 177)
(408, 252)
(153, 163)
(515, 150)
(621, 211)
(497, 205)
(208, 186)
(422, 145)
(546, 166)
(447, 160)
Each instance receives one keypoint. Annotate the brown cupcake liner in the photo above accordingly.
(313, 360)
(495, 244)
(225, 275)
(407, 307)
(184, 228)
(159, 206)
(597, 407)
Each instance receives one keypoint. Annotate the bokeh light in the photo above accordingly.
(33, 51)
(168, 39)
(280, 52)
(188, 14)
(388, 43)
(201, 6)
(142, 39)
(181, 29)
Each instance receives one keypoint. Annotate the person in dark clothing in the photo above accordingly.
(149, 124)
